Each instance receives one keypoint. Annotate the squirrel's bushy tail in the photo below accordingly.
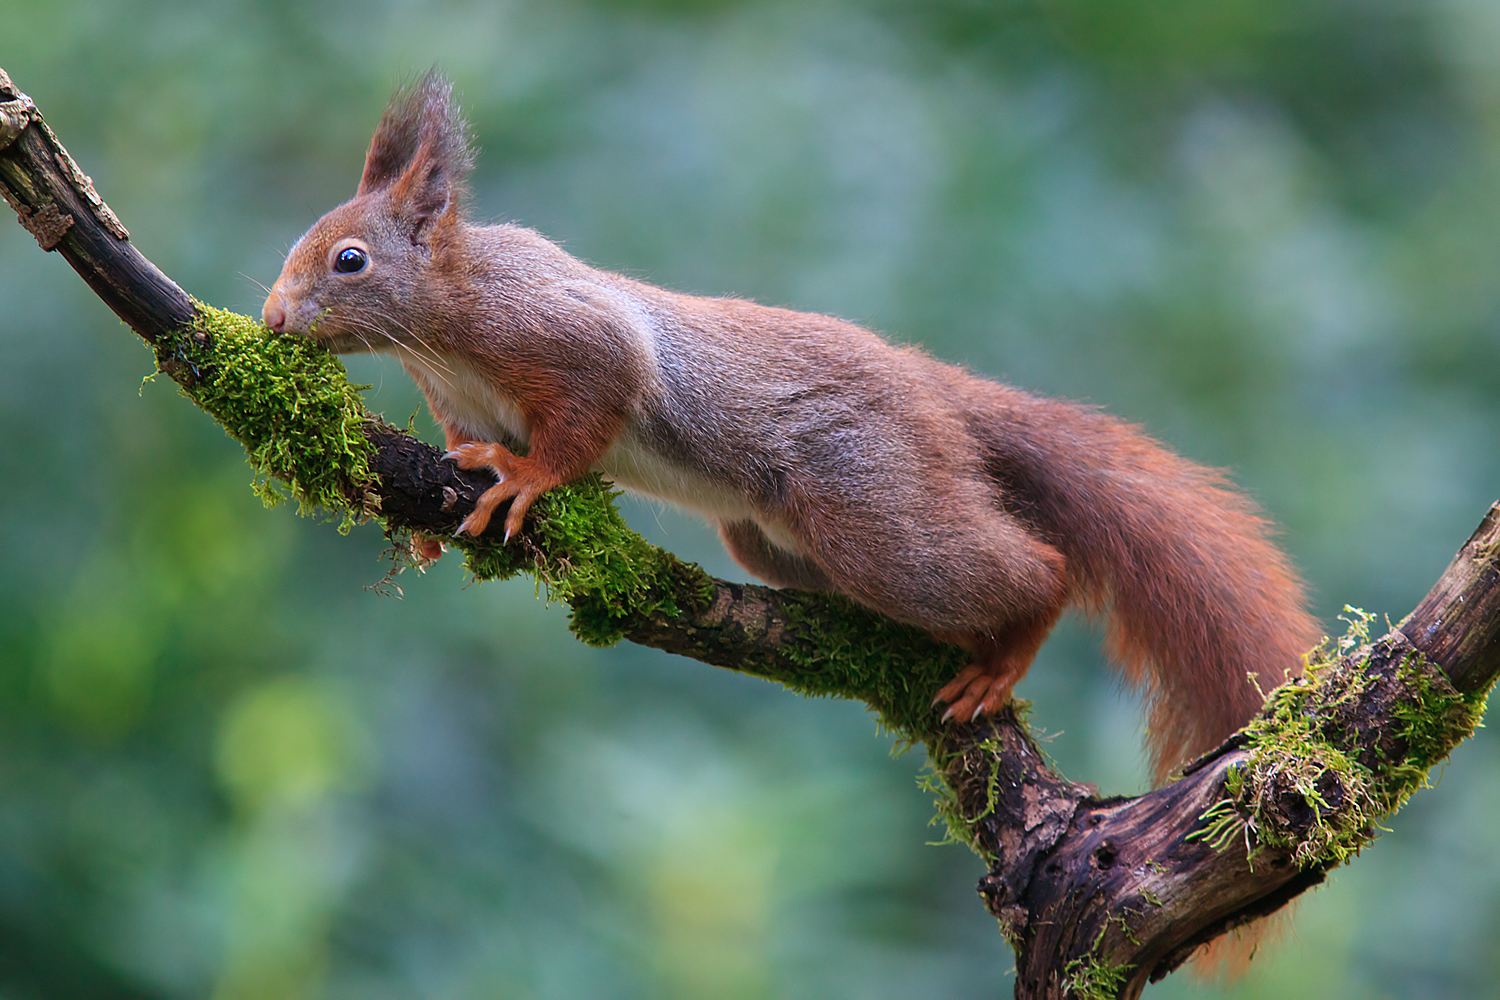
(1205, 613)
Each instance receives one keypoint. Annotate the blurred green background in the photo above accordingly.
(228, 768)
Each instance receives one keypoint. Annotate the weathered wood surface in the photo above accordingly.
(57, 203)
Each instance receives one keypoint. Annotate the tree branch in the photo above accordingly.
(1097, 895)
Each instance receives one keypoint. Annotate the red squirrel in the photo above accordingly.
(827, 458)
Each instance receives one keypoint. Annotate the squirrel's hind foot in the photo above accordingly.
(1001, 659)
(980, 688)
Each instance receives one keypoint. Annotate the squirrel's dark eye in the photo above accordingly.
(349, 260)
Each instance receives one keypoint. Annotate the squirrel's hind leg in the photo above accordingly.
(982, 583)
(753, 550)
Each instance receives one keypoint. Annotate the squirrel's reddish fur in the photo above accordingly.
(828, 458)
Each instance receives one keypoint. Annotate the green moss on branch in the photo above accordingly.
(1323, 761)
(1093, 978)
(580, 548)
(287, 401)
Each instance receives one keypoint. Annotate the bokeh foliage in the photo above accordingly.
(1266, 230)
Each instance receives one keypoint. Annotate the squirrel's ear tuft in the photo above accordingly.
(420, 149)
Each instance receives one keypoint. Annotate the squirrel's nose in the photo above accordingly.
(273, 313)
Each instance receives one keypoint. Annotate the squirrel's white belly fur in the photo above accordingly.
(467, 399)
(635, 466)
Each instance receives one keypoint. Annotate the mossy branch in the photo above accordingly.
(305, 430)
(1097, 895)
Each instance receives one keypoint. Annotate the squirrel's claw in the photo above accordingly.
(979, 689)
(957, 685)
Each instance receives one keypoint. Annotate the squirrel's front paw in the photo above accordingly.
(521, 480)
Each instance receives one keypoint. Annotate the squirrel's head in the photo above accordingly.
(363, 277)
